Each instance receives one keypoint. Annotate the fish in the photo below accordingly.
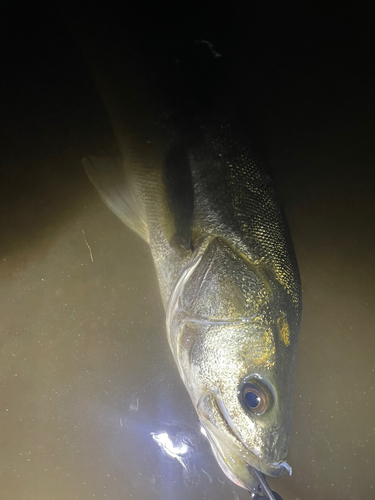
(196, 192)
(230, 287)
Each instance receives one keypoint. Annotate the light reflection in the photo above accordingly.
(173, 450)
(203, 431)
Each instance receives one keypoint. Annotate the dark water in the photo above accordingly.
(89, 390)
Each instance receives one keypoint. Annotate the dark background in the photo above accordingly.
(288, 72)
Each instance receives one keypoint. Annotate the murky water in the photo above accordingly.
(90, 396)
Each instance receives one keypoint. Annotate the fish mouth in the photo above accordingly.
(235, 458)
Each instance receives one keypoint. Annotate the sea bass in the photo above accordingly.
(229, 283)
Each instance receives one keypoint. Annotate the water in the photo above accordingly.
(91, 404)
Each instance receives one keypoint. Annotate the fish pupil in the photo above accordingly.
(252, 399)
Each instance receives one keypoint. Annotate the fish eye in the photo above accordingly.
(255, 398)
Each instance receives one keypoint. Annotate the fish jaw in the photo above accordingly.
(235, 458)
(233, 467)
(238, 470)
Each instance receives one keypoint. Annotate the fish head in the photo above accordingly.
(245, 409)
(236, 353)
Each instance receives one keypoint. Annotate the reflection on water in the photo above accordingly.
(176, 451)
(91, 404)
